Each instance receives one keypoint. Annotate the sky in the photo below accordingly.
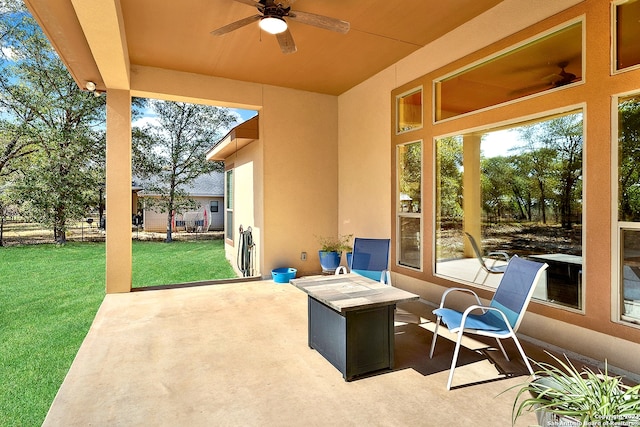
(148, 117)
(499, 143)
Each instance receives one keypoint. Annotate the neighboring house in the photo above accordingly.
(208, 193)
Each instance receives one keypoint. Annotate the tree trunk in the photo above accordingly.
(543, 202)
(169, 227)
(2, 229)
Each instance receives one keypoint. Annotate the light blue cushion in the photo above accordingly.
(481, 322)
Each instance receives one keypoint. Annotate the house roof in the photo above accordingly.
(102, 41)
(236, 139)
(209, 185)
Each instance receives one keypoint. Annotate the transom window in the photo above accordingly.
(551, 61)
(626, 34)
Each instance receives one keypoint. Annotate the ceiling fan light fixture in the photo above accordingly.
(273, 24)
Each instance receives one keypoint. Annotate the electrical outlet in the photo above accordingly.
(303, 256)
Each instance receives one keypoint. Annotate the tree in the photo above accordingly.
(449, 167)
(629, 158)
(171, 154)
(46, 118)
(16, 136)
(555, 150)
(497, 177)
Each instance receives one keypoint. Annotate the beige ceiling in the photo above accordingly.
(176, 35)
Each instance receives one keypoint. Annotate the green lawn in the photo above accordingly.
(49, 296)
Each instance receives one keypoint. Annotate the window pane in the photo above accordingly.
(410, 177)
(409, 111)
(517, 191)
(409, 242)
(229, 192)
(229, 205)
(631, 275)
(628, 159)
(627, 34)
(550, 62)
(229, 226)
(409, 204)
(629, 205)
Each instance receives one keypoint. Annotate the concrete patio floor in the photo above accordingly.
(236, 354)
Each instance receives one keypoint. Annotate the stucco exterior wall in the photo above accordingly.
(248, 199)
(300, 135)
(366, 123)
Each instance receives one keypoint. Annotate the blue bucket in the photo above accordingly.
(283, 275)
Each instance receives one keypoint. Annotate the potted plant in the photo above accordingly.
(562, 395)
(331, 249)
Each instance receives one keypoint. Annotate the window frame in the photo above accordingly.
(398, 211)
(512, 123)
(229, 184)
(614, 41)
(405, 94)
(487, 59)
(618, 227)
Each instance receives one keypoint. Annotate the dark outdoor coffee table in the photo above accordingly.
(351, 321)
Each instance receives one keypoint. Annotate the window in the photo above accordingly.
(519, 191)
(213, 206)
(409, 204)
(627, 33)
(629, 206)
(229, 205)
(409, 111)
(549, 62)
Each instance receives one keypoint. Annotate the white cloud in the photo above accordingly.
(145, 120)
(8, 52)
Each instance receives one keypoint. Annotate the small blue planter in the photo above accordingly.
(329, 261)
(283, 275)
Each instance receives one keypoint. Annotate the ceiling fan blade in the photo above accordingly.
(531, 89)
(285, 40)
(249, 2)
(235, 25)
(320, 21)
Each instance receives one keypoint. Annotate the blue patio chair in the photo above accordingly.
(501, 318)
(370, 258)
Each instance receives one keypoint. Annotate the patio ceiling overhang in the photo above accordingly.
(104, 41)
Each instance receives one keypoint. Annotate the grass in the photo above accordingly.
(49, 296)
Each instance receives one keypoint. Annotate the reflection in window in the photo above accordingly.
(629, 205)
(549, 62)
(519, 191)
(409, 202)
(631, 275)
(629, 158)
(409, 111)
(627, 34)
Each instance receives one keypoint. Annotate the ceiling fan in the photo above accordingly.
(554, 80)
(272, 15)
(561, 78)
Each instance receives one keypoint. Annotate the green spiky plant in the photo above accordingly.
(336, 244)
(585, 396)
